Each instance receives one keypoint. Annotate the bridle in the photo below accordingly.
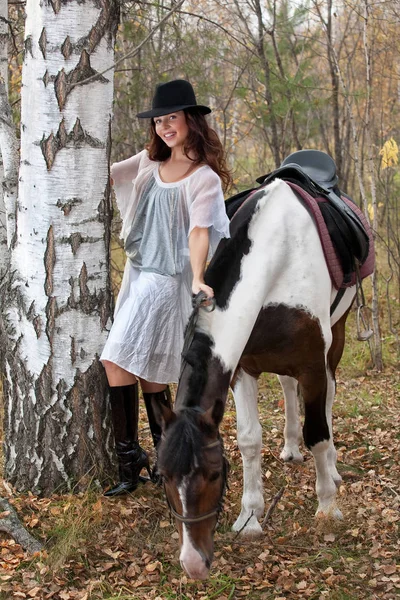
(216, 511)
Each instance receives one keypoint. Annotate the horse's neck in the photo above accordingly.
(229, 331)
(271, 262)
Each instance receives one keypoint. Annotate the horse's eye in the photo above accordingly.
(214, 476)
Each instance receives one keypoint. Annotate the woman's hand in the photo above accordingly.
(198, 247)
(198, 286)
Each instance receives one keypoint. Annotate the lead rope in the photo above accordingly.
(362, 319)
(198, 301)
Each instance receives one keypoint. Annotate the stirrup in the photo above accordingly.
(364, 334)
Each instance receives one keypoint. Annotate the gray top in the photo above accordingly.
(151, 244)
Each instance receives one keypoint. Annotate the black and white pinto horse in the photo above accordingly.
(273, 296)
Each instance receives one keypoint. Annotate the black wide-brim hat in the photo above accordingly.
(171, 97)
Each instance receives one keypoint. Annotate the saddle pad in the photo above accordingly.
(331, 256)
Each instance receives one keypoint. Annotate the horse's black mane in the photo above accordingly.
(223, 271)
(197, 356)
(181, 449)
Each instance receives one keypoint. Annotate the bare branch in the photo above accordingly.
(11, 525)
(134, 51)
(271, 508)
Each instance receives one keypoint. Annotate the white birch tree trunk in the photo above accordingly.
(4, 255)
(56, 420)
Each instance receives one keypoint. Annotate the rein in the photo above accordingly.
(198, 301)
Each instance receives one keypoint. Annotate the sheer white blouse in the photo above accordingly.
(200, 201)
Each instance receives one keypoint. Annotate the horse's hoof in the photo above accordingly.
(291, 455)
(252, 529)
(332, 512)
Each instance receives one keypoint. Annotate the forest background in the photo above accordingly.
(280, 76)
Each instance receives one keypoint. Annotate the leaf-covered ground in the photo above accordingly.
(127, 548)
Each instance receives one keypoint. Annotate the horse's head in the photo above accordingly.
(194, 470)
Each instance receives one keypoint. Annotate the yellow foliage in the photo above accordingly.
(371, 210)
(389, 153)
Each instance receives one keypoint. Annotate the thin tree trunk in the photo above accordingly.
(295, 138)
(377, 349)
(259, 44)
(275, 146)
(56, 422)
(334, 82)
(9, 152)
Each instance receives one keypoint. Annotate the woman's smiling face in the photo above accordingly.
(172, 128)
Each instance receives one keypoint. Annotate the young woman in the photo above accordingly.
(172, 208)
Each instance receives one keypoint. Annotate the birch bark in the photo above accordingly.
(3, 80)
(56, 421)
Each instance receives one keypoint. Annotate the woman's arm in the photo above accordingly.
(126, 170)
(198, 249)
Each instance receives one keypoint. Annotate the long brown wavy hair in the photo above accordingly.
(201, 142)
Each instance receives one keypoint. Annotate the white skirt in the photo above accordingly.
(150, 316)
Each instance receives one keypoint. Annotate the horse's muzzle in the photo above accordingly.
(194, 563)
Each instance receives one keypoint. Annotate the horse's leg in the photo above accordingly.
(249, 437)
(332, 454)
(334, 356)
(316, 431)
(292, 431)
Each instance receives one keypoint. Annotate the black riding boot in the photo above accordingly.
(163, 397)
(131, 457)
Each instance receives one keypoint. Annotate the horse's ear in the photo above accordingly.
(164, 415)
(215, 413)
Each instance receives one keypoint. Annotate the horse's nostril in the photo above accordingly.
(208, 563)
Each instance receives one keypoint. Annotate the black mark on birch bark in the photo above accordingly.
(66, 207)
(83, 277)
(49, 261)
(28, 45)
(76, 240)
(75, 139)
(72, 303)
(66, 47)
(64, 82)
(37, 325)
(56, 5)
(46, 78)
(51, 313)
(88, 303)
(105, 26)
(105, 216)
(73, 351)
(31, 311)
(43, 42)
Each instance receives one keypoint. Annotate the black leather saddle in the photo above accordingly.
(315, 171)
